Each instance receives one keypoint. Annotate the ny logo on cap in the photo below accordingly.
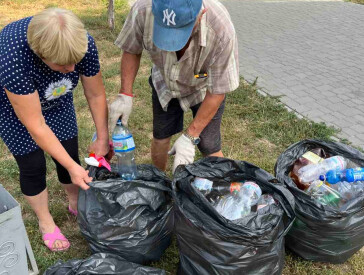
(169, 17)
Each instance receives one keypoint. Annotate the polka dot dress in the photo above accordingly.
(22, 72)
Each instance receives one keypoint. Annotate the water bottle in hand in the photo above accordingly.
(312, 172)
(124, 148)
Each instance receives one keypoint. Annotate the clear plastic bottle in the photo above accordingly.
(250, 193)
(124, 148)
(349, 175)
(265, 200)
(346, 189)
(324, 194)
(228, 207)
(312, 172)
(235, 207)
(203, 185)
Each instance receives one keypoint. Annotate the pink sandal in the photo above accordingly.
(55, 236)
(73, 212)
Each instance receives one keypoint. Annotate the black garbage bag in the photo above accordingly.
(133, 219)
(101, 263)
(210, 244)
(101, 173)
(321, 232)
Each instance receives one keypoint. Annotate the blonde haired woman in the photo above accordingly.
(41, 61)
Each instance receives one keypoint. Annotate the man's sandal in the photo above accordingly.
(53, 237)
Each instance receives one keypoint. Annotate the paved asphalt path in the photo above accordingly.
(310, 53)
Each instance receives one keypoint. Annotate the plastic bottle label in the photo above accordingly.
(358, 176)
(312, 157)
(339, 162)
(235, 187)
(123, 144)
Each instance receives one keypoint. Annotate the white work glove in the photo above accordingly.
(184, 151)
(120, 107)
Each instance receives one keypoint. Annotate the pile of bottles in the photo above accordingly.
(332, 180)
(233, 200)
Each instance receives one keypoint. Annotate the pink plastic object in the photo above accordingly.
(99, 161)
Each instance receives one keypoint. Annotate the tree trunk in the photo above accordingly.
(111, 17)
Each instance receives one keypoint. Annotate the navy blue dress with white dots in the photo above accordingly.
(22, 72)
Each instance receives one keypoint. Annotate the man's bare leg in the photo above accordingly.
(160, 148)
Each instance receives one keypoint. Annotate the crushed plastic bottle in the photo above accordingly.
(312, 172)
(313, 156)
(228, 207)
(249, 195)
(235, 207)
(324, 194)
(347, 190)
(124, 148)
(349, 175)
(265, 200)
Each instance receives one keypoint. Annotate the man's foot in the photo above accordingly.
(53, 238)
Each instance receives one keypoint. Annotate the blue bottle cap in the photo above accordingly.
(322, 177)
(118, 122)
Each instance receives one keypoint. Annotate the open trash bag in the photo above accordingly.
(208, 243)
(101, 263)
(322, 232)
(133, 219)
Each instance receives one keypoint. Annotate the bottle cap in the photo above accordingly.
(322, 177)
(118, 122)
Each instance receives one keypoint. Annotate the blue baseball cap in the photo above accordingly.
(173, 22)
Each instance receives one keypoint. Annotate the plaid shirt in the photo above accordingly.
(213, 50)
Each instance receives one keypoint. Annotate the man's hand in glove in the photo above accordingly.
(184, 151)
(120, 107)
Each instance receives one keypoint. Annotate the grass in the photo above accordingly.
(357, 1)
(254, 128)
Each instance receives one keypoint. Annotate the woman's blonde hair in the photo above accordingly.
(58, 35)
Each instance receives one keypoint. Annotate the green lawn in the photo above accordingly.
(357, 1)
(255, 128)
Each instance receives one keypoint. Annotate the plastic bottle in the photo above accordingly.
(324, 194)
(265, 200)
(235, 207)
(349, 175)
(124, 148)
(228, 207)
(224, 189)
(313, 156)
(312, 172)
(206, 186)
(250, 193)
(203, 185)
(346, 189)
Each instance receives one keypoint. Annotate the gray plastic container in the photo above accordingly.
(15, 248)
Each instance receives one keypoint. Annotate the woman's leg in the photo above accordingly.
(71, 146)
(39, 204)
(32, 169)
(72, 194)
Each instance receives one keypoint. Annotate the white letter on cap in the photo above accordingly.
(169, 17)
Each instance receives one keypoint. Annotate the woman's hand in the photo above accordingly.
(79, 176)
(99, 147)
